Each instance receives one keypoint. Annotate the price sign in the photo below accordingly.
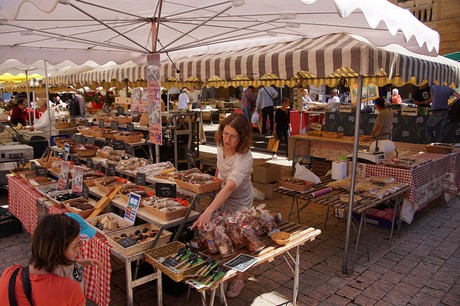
(77, 138)
(101, 123)
(90, 140)
(129, 149)
(130, 127)
(132, 207)
(140, 179)
(90, 163)
(63, 176)
(118, 145)
(85, 191)
(41, 171)
(66, 152)
(114, 125)
(241, 263)
(110, 170)
(23, 162)
(60, 154)
(120, 110)
(76, 160)
(87, 123)
(77, 179)
(106, 109)
(165, 190)
(33, 166)
(190, 155)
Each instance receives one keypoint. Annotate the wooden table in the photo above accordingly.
(300, 236)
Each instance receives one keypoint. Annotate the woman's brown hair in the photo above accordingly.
(240, 123)
(52, 236)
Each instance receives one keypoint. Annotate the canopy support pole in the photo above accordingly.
(28, 95)
(353, 176)
(48, 97)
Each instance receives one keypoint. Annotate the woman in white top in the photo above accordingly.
(234, 165)
(47, 118)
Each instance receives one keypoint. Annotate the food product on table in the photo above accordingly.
(107, 223)
(223, 241)
(165, 204)
(345, 198)
(234, 232)
(252, 241)
(381, 179)
(78, 204)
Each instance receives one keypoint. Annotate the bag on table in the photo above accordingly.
(273, 144)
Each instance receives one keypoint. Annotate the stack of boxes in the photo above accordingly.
(265, 178)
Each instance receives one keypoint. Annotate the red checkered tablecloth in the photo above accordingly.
(22, 202)
(96, 281)
(426, 182)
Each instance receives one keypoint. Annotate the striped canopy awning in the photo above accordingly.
(327, 57)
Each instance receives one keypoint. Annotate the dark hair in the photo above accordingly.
(21, 101)
(241, 124)
(380, 102)
(51, 238)
(285, 100)
(251, 87)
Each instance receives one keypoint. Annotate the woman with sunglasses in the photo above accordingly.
(55, 244)
(234, 165)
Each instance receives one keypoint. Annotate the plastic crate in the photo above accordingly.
(9, 224)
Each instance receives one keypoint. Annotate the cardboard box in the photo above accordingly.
(267, 190)
(266, 173)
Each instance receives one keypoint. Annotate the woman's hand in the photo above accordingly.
(31, 128)
(203, 220)
(91, 262)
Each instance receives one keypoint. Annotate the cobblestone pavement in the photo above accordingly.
(420, 268)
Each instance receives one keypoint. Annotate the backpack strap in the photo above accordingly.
(26, 284)
(11, 294)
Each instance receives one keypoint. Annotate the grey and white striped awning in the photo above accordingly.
(322, 57)
(330, 56)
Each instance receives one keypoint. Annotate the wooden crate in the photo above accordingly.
(300, 188)
(141, 246)
(199, 189)
(122, 223)
(155, 255)
(170, 215)
(321, 167)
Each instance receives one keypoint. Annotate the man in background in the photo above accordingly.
(266, 102)
(438, 120)
(384, 121)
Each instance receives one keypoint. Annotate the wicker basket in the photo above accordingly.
(281, 238)
(125, 197)
(122, 120)
(144, 120)
(300, 188)
(82, 213)
(314, 133)
(103, 154)
(199, 189)
(153, 257)
(170, 215)
(109, 134)
(97, 132)
(85, 131)
(59, 141)
(122, 223)
(88, 152)
(141, 246)
(135, 137)
(62, 125)
(331, 135)
(105, 188)
(440, 149)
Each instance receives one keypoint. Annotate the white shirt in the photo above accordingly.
(183, 101)
(238, 169)
(43, 124)
(333, 103)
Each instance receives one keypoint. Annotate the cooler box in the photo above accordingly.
(10, 153)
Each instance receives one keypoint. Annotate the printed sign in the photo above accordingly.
(140, 179)
(133, 205)
(40, 171)
(66, 152)
(130, 127)
(85, 191)
(101, 123)
(64, 176)
(241, 263)
(110, 170)
(77, 179)
(154, 98)
(114, 125)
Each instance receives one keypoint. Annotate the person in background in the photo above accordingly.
(44, 124)
(77, 106)
(384, 121)
(282, 127)
(305, 98)
(184, 100)
(55, 242)
(266, 102)
(194, 96)
(334, 101)
(438, 120)
(422, 95)
(234, 166)
(248, 101)
(395, 97)
(164, 97)
(17, 113)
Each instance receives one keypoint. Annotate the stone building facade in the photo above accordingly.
(440, 15)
